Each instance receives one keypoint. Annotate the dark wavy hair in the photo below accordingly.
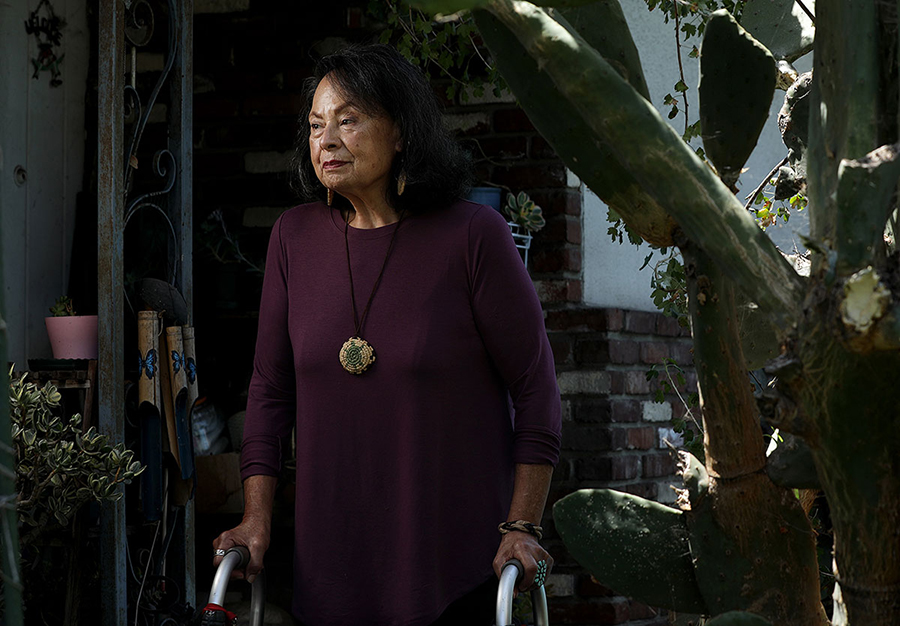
(380, 81)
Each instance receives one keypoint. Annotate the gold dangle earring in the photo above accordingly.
(330, 196)
(401, 182)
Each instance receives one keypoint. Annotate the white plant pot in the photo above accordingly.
(73, 336)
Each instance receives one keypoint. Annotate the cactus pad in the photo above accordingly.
(738, 618)
(780, 25)
(737, 81)
(603, 26)
(566, 129)
(636, 546)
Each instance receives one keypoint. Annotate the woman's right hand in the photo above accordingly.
(253, 533)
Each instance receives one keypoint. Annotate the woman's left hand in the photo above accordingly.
(525, 548)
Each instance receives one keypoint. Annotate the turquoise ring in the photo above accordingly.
(541, 575)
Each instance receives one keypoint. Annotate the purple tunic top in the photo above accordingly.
(403, 472)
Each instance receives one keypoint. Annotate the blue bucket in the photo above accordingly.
(486, 195)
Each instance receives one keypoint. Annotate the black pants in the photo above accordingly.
(476, 608)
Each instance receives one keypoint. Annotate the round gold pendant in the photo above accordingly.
(356, 355)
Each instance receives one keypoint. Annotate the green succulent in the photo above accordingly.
(63, 307)
(522, 210)
(59, 468)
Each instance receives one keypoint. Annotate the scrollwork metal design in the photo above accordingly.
(140, 24)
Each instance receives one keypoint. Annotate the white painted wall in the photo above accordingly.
(41, 130)
(611, 276)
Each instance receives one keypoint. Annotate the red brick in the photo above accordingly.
(657, 465)
(521, 177)
(593, 438)
(623, 352)
(642, 438)
(561, 344)
(540, 149)
(578, 319)
(690, 377)
(562, 229)
(615, 319)
(636, 383)
(589, 410)
(552, 259)
(556, 291)
(640, 322)
(512, 121)
(591, 351)
(619, 439)
(683, 353)
(499, 148)
(649, 491)
(625, 411)
(625, 467)
(593, 468)
(654, 352)
(564, 201)
(575, 291)
(668, 326)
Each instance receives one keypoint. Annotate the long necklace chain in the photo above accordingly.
(357, 354)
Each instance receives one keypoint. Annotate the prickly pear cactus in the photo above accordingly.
(636, 546)
(737, 81)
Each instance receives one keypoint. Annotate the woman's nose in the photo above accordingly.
(329, 140)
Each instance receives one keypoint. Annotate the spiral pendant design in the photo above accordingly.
(356, 355)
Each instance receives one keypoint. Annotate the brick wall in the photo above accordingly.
(249, 65)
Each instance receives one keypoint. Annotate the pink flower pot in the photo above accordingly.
(73, 337)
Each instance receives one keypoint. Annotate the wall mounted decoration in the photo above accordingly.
(46, 27)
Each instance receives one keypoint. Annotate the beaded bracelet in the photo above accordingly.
(522, 526)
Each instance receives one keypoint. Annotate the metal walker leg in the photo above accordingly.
(511, 573)
(235, 558)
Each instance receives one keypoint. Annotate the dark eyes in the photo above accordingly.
(344, 122)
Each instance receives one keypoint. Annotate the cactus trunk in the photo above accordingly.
(846, 386)
(768, 565)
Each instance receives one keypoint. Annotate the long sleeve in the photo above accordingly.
(271, 405)
(510, 321)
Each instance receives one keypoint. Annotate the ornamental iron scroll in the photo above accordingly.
(140, 25)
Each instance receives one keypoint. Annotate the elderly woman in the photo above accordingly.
(397, 322)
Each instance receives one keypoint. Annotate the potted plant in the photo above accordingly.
(72, 336)
(525, 218)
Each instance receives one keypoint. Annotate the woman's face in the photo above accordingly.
(351, 151)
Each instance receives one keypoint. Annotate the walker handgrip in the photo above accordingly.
(237, 557)
(510, 574)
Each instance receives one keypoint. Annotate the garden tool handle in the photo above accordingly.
(237, 557)
(510, 574)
